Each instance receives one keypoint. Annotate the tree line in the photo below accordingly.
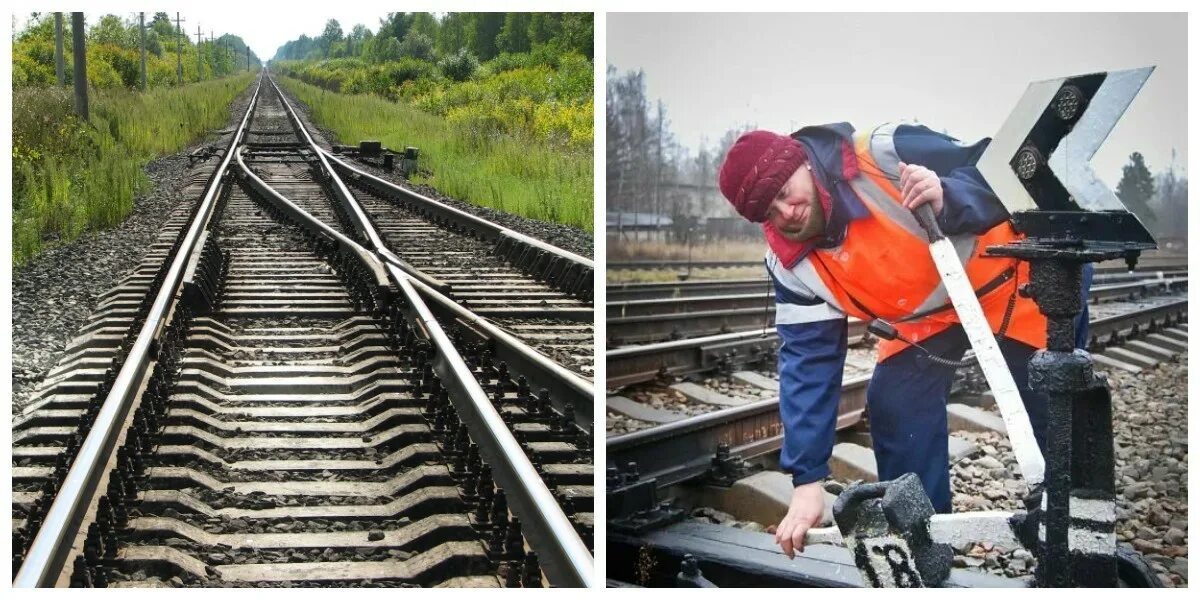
(114, 52)
(425, 36)
(647, 169)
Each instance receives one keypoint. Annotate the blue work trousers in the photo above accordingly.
(906, 405)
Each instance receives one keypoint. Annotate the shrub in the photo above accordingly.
(408, 69)
(102, 75)
(70, 175)
(417, 45)
(459, 66)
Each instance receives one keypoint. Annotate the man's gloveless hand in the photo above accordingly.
(808, 504)
(919, 185)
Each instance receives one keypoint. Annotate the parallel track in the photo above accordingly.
(627, 292)
(1163, 262)
(667, 337)
(684, 312)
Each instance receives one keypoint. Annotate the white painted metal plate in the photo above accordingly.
(1071, 161)
(993, 165)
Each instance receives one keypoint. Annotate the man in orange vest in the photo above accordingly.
(836, 211)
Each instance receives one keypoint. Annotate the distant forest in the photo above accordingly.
(493, 73)
(423, 35)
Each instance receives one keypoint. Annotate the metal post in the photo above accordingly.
(178, 50)
(142, 30)
(80, 73)
(60, 61)
(199, 57)
(1078, 543)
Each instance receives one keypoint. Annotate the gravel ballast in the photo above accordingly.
(54, 292)
(1150, 444)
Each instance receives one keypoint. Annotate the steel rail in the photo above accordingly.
(635, 364)
(484, 229)
(682, 450)
(489, 230)
(764, 300)
(570, 394)
(1106, 331)
(691, 288)
(1146, 262)
(562, 554)
(1123, 290)
(651, 320)
(652, 265)
(638, 363)
(54, 540)
(650, 329)
(664, 306)
(622, 292)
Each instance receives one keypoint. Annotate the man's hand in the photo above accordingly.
(919, 185)
(808, 504)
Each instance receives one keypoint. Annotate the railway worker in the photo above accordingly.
(835, 208)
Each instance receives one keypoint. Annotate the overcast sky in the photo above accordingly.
(960, 72)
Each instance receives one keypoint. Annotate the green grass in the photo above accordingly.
(510, 172)
(70, 176)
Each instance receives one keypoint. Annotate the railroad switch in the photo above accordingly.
(382, 157)
(202, 154)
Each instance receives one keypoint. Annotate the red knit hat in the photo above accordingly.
(755, 169)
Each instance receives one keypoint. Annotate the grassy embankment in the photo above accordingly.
(70, 176)
(511, 171)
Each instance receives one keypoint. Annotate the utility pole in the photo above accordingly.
(142, 31)
(659, 162)
(60, 61)
(248, 66)
(178, 49)
(199, 57)
(77, 39)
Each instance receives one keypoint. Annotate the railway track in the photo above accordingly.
(682, 447)
(680, 336)
(269, 402)
(1148, 261)
(657, 312)
(656, 290)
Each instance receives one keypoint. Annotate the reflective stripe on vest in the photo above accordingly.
(883, 265)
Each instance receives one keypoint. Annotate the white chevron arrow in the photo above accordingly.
(1070, 161)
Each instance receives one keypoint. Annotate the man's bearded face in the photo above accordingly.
(796, 211)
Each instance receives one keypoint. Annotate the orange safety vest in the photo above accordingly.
(883, 268)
